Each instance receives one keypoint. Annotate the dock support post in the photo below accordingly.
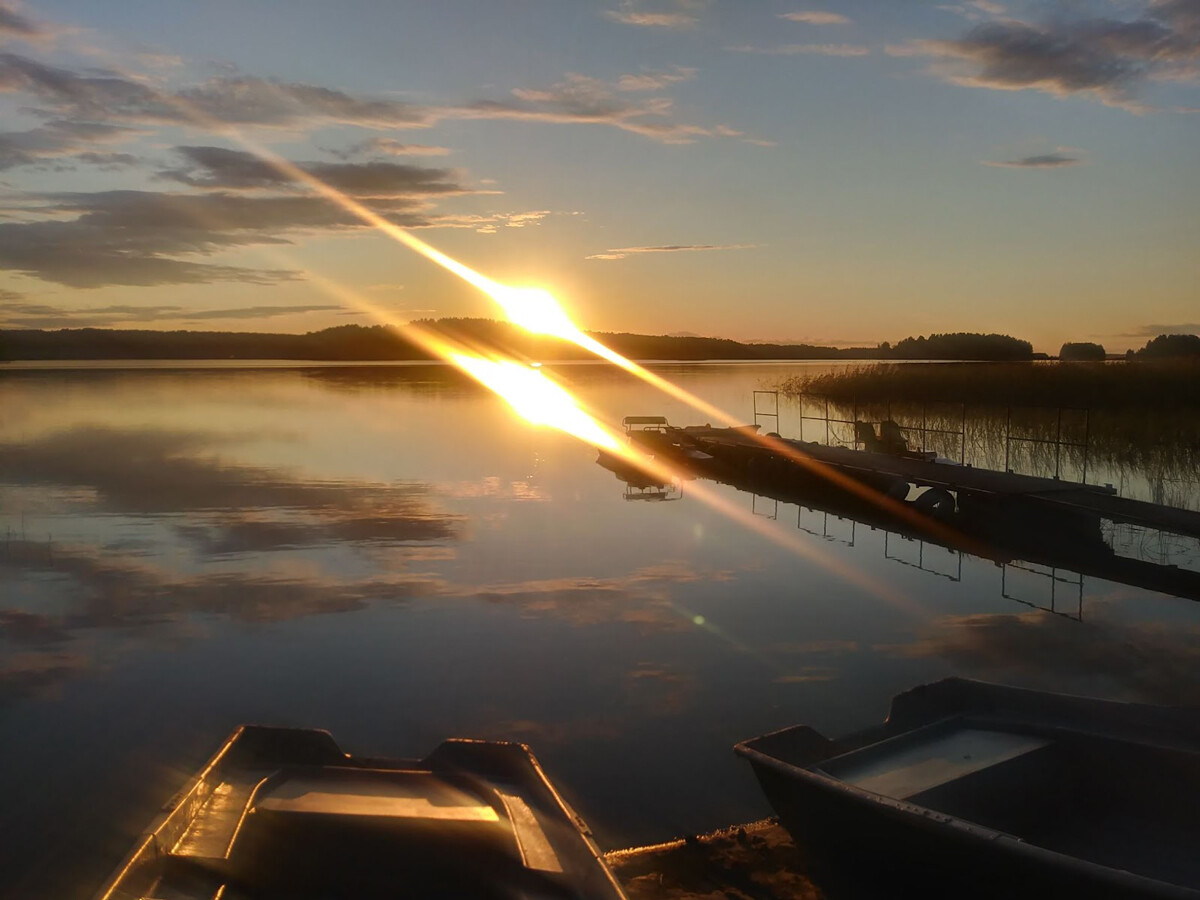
(962, 451)
(1007, 437)
(1058, 445)
(1087, 421)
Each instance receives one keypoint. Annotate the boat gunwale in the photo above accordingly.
(931, 821)
(590, 863)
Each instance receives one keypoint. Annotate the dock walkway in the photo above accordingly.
(741, 446)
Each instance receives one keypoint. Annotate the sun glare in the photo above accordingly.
(536, 398)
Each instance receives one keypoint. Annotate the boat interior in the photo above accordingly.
(1097, 797)
(287, 814)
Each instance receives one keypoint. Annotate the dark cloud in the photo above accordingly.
(59, 138)
(80, 255)
(36, 315)
(218, 167)
(131, 237)
(1042, 161)
(239, 100)
(108, 160)
(1104, 57)
(17, 25)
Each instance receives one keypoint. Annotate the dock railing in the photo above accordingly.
(861, 414)
(1055, 578)
(942, 427)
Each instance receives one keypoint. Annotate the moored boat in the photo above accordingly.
(281, 812)
(979, 790)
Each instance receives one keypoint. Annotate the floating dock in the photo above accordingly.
(744, 450)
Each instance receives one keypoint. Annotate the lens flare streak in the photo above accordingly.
(536, 310)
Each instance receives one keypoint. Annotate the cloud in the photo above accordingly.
(33, 315)
(247, 101)
(488, 223)
(1041, 161)
(230, 100)
(221, 168)
(640, 598)
(13, 24)
(59, 138)
(1105, 58)
(654, 81)
(1148, 661)
(680, 14)
(152, 472)
(813, 17)
(1150, 331)
(583, 100)
(799, 49)
(134, 237)
(975, 10)
(123, 590)
(391, 147)
(622, 252)
(79, 255)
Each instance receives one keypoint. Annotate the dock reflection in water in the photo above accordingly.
(1050, 529)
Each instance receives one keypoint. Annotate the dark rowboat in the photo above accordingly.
(981, 790)
(281, 812)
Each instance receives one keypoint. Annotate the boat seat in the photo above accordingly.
(922, 761)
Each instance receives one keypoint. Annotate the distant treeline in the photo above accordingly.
(379, 342)
(1165, 346)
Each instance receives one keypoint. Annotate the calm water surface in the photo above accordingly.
(386, 552)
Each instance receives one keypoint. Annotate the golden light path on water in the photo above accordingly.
(536, 310)
(537, 398)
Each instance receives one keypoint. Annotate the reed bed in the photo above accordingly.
(1131, 424)
(1164, 384)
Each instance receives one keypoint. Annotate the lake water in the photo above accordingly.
(387, 552)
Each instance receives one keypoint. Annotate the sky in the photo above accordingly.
(830, 172)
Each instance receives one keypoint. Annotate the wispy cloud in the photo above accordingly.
(816, 17)
(800, 49)
(110, 99)
(1101, 57)
(975, 10)
(1150, 331)
(584, 100)
(622, 252)
(655, 80)
(390, 147)
(231, 100)
(677, 14)
(1039, 161)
